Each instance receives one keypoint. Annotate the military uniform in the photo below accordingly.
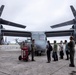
(33, 47)
(72, 52)
(55, 56)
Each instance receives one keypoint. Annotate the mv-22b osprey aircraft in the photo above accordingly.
(39, 37)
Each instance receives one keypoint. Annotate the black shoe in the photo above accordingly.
(32, 60)
(66, 59)
(47, 62)
(71, 65)
(54, 60)
(57, 60)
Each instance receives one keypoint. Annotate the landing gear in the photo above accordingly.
(38, 53)
(20, 57)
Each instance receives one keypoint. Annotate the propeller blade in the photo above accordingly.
(1, 9)
(11, 23)
(73, 10)
(63, 24)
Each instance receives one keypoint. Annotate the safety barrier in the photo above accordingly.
(9, 47)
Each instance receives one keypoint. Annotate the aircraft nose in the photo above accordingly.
(38, 47)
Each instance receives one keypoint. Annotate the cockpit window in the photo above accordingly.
(42, 37)
(35, 36)
(38, 36)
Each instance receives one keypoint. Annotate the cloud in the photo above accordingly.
(37, 15)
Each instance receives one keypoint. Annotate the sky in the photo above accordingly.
(38, 15)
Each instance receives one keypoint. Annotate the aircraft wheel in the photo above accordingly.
(20, 57)
(40, 54)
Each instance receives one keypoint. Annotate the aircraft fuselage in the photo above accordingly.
(40, 41)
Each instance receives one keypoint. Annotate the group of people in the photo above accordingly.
(53, 51)
(69, 50)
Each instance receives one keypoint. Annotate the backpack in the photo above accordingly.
(50, 47)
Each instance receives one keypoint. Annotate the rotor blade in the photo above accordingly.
(1, 9)
(59, 33)
(16, 33)
(73, 10)
(11, 23)
(63, 24)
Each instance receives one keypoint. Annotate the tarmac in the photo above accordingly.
(10, 65)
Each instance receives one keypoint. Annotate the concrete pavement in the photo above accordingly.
(10, 65)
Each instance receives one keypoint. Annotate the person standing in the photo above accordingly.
(33, 50)
(54, 55)
(61, 53)
(49, 49)
(66, 49)
(71, 45)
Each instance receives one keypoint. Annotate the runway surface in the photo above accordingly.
(10, 65)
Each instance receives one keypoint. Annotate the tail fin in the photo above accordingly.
(73, 10)
(1, 9)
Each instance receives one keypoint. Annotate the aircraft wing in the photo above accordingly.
(16, 33)
(5, 22)
(59, 33)
(1, 9)
(63, 24)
